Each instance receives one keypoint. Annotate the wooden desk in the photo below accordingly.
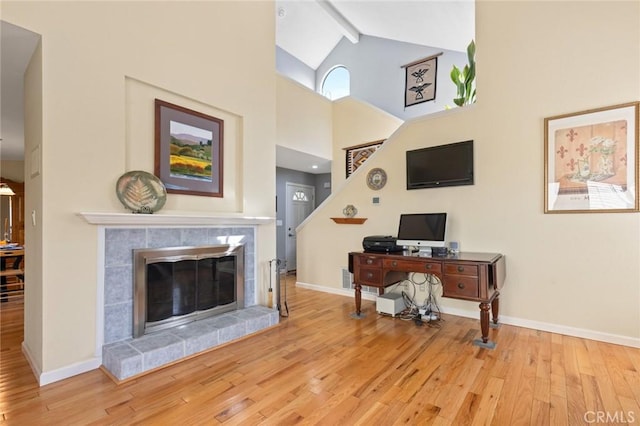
(14, 271)
(466, 276)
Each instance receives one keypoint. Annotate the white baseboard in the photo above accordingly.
(338, 291)
(61, 373)
(34, 367)
(518, 322)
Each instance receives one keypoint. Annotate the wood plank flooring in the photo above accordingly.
(322, 367)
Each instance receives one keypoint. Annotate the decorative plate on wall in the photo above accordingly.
(141, 192)
(376, 178)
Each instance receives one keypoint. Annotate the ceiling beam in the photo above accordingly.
(346, 27)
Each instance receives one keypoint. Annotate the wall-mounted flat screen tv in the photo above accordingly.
(442, 165)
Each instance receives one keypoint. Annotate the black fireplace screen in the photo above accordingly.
(180, 288)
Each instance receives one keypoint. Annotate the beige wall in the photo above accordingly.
(303, 119)
(310, 123)
(355, 123)
(214, 55)
(34, 264)
(574, 273)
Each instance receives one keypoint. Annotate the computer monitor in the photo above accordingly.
(422, 230)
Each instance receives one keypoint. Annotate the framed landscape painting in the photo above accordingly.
(591, 161)
(188, 150)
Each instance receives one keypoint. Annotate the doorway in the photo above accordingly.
(300, 203)
(20, 66)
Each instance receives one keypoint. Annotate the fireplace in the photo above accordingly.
(124, 356)
(177, 285)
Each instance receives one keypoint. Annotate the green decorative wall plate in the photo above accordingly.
(141, 192)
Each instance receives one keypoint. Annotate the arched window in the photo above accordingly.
(336, 83)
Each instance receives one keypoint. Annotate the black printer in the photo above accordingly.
(380, 243)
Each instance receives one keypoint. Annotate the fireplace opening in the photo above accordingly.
(177, 285)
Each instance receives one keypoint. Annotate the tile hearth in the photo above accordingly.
(131, 357)
(125, 357)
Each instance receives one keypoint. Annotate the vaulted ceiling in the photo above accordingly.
(310, 29)
(306, 29)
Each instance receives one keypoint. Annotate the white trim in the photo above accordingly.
(346, 28)
(338, 291)
(95, 218)
(100, 294)
(518, 322)
(573, 331)
(69, 371)
(61, 373)
(34, 367)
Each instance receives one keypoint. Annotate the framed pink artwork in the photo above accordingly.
(591, 161)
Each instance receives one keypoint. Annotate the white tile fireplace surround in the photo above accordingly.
(125, 357)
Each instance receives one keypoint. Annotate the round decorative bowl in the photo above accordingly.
(349, 211)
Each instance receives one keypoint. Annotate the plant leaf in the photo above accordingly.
(455, 75)
(464, 80)
(471, 75)
(471, 52)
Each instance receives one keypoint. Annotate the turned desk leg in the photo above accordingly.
(484, 321)
(495, 306)
(358, 298)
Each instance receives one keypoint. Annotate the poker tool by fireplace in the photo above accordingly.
(278, 263)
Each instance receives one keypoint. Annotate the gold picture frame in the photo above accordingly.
(591, 161)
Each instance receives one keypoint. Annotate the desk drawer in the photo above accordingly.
(427, 267)
(461, 269)
(368, 276)
(364, 261)
(460, 286)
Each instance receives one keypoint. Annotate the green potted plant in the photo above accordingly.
(464, 80)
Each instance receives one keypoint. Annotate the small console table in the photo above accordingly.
(466, 276)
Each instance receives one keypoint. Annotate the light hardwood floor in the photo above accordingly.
(320, 366)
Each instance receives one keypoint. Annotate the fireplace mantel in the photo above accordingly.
(161, 219)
